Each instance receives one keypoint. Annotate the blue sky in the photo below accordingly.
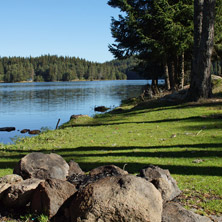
(79, 28)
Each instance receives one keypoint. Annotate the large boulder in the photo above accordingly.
(118, 198)
(174, 212)
(7, 181)
(50, 196)
(19, 194)
(162, 180)
(42, 166)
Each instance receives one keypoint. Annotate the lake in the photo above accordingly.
(40, 105)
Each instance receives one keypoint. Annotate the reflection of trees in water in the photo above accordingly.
(57, 96)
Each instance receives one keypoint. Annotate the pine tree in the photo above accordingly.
(2, 73)
(157, 31)
(204, 18)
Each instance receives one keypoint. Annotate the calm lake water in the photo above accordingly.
(40, 105)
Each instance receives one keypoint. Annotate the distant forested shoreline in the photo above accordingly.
(50, 68)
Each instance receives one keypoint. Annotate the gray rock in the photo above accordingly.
(42, 166)
(19, 194)
(117, 198)
(216, 218)
(50, 195)
(74, 168)
(173, 212)
(162, 180)
(7, 181)
(10, 179)
(111, 170)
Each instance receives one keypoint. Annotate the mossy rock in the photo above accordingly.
(77, 120)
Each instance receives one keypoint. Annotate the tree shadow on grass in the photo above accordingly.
(105, 148)
(166, 105)
(181, 154)
(8, 164)
(136, 167)
(155, 106)
(114, 148)
(208, 119)
(174, 169)
(192, 151)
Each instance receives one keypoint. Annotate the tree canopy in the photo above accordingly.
(204, 19)
(161, 33)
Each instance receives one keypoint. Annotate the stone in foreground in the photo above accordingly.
(50, 196)
(19, 194)
(42, 166)
(7, 181)
(162, 180)
(118, 198)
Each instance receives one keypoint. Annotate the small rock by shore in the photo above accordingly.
(101, 109)
(7, 129)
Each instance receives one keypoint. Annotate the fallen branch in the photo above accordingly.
(199, 132)
(57, 124)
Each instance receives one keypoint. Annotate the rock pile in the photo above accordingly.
(45, 183)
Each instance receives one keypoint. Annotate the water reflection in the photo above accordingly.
(36, 105)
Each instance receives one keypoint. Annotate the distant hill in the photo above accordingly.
(128, 67)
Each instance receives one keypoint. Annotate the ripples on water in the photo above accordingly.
(37, 105)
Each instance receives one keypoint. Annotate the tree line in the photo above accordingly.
(53, 68)
(171, 38)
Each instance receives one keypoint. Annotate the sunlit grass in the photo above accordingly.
(185, 138)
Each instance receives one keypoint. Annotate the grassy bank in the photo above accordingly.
(184, 138)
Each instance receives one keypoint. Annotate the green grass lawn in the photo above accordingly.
(184, 138)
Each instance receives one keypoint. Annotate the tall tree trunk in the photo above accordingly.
(166, 74)
(204, 16)
(218, 68)
(154, 86)
(176, 71)
(172, 76)
(181, 71)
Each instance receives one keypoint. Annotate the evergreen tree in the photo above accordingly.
(52, 73)
(53, 68)
(158, 32)
(2, 72)
(204, 18)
